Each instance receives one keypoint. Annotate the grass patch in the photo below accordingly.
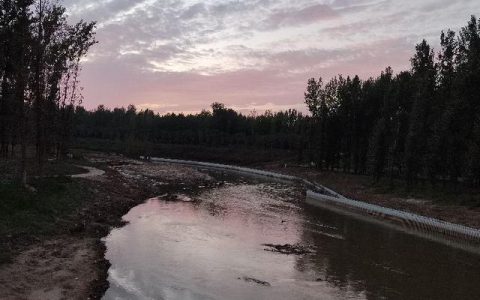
(36, 212)
(11, 168)
(25, 213)
(60, 168)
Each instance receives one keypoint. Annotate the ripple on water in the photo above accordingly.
(213, 248)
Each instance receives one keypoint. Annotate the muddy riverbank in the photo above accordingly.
(70, 263)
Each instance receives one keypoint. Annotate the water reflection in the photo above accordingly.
(388, 264)
(206, 249)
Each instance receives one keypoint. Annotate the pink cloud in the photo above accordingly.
(176, 55)
(120, 85)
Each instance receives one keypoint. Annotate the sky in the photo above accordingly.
(183, 55)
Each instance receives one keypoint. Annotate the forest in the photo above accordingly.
(418, 124)
(40, 57)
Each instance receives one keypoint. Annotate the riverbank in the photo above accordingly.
(56, 252)
(459, 208)
(51, 242)
(361, 187)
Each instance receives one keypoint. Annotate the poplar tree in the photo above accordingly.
(39, 64)
(420, 126)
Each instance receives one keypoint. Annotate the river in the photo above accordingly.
(214, 247)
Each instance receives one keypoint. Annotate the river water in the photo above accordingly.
(213, 248)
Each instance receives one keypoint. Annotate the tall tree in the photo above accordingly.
(39, 64)
(444, 144)
(381, 134)
(421, 118)
(21, 41)
(468, 60)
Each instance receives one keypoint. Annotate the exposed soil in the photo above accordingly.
(71, 265)
(60, 268)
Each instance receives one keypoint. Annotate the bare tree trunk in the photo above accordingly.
(20, 94)
(23, 163)
(20, 86)
(3, 117)
(13, 149)
(39, 101)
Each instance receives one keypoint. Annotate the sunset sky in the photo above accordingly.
(182, 55)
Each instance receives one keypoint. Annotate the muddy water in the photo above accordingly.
(212, 248)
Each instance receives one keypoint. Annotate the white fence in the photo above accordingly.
(407, 221)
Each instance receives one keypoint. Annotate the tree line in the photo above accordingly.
(40, 57)
(136, 131)
(419, 124)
